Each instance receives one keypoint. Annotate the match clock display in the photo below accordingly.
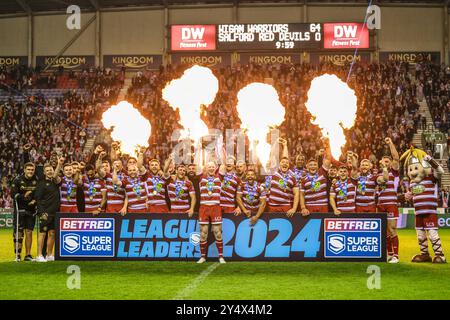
(263, 36)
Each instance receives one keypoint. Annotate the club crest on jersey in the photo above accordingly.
(418, 189)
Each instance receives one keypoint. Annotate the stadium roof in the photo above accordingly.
(40, 6)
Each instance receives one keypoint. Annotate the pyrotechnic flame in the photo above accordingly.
(259, 109)
(129, 126)
(197, 86)
(333, 106)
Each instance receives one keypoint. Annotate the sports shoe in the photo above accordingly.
(28, 258)
(394, 259)
(41, 259)
(222, 260)
(17, 259)
(50, 258)
(201, 260)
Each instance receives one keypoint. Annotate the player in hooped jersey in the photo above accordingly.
(366, 187)
(230, 184)
(135, 188)
(180, 190)
(387, 199)
(251, 197)
(314, 186)
(343, 192)
(424, 194)
(299, 171)
(68, 190)
(156, 189)
(94, 191)
(283, 192)
(210, 211)
(116, 199)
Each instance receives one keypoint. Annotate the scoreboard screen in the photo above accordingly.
(269, 36)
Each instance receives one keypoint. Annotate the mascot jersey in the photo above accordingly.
(425, 195)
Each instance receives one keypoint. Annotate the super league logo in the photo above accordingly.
(336, 243)
(71, 242)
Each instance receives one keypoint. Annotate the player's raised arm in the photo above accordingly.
(115, 151)
(355, 172)
(115, 179)
(140, 161)
(394, 154)
(60, 164)
(98, 165)
(284, 148)
(167, 163)
(327, 157)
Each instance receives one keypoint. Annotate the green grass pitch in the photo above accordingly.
(234, 280)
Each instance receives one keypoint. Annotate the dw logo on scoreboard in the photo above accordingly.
(352, 238)
(86, 237)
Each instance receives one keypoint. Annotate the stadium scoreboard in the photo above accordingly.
(269, 36)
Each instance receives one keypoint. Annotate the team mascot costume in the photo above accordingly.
(424, 173)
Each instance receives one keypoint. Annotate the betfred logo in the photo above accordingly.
(193, 37)
(345, 36)
(97, 224)
(352, 225)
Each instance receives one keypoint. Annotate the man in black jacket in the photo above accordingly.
(23, 188)
(48, 203)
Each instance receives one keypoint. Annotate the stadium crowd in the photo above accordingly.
(435, 85)
(45, 126)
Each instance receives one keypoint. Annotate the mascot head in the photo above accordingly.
(416, 168)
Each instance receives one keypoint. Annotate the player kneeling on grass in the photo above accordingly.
(210, 211)
(251, 197)
(48, 203)
(423, 192)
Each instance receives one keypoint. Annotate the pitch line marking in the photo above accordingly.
(187, 291)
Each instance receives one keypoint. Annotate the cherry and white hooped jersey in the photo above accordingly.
(315, 188)
(345, 193)
(230, 184)
(251, 195)
(210, 190)
(425, 195)
(179, 192)
(136, 192)
(365, 190)
(68, 192)
(388, 192)
(115, 194)
(156, 190)
(92, 190)
(282, 189)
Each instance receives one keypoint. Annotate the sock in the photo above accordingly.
(436, 242)
(203, 245)
(423, 241)
(389, 246)
(394, 241)
(219, 245)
